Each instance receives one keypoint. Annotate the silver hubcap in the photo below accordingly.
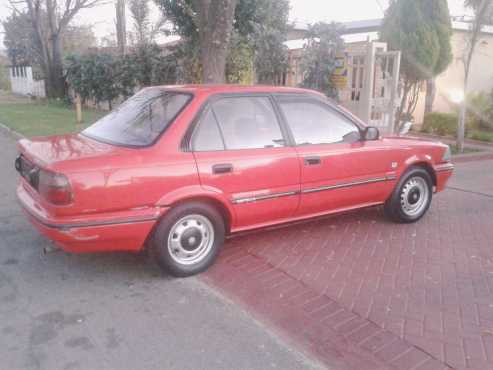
(414, 196)
(190, 239)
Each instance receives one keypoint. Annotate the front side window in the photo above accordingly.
(248, 123)
(312, 122)
(141, 119)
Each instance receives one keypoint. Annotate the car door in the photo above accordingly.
(338, 169)
(241, 151)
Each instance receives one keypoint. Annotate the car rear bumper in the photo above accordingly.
(116, 231)
(443, 172)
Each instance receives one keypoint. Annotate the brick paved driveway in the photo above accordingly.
(363, 293)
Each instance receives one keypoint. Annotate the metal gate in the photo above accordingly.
(370, 89)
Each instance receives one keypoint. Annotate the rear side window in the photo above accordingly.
(207, 136)
(141, 119)
(247, 122)
(312, 122)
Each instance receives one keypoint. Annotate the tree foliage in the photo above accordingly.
(19, 40)
(105, 77)
(421, 30)
(259, 30)
(153, 66)
(48, 22)
(144, 30)
(323, 43)
(93, 77)
(22, 47)
(239, 64)
(269, 27)
(4, 74)
(208, 24)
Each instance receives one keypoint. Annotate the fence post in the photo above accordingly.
(78, 109)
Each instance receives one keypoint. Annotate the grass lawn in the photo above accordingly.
(39, 119)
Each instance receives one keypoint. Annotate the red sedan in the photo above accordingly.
(175, 169)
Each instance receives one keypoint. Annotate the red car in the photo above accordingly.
(176, 168)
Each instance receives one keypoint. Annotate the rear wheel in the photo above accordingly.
(188, 239)
(411, 197)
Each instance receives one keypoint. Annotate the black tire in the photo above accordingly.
(160, 252)
(396, 207)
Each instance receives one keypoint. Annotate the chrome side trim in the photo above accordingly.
(349, 184)
(313, 190)
(264, 197)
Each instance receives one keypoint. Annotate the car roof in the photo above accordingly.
(238, 89)
(225, 89)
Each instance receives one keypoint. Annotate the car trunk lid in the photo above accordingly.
(46, 152)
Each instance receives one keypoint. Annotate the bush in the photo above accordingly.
(481, 136)
(443, 124)
(480, 111)
(105, 77)
(4, 78)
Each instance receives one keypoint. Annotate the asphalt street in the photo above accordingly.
(114, 311)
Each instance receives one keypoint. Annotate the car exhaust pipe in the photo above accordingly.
(50, 249)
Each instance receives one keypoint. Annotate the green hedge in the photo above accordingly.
(440, 124)
(481, 135)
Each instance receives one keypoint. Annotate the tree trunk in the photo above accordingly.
(121, 33)
(57, 81)
(430, 95)
(56, 84)
(216, 24)
(475, 34)
(461, 128)
(400, 109)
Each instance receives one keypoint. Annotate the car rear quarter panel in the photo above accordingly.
(131, 177)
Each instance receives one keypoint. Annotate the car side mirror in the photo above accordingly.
(371, 133)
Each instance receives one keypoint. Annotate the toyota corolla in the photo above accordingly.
(175, 169)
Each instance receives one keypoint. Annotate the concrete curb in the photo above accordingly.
(11, 132)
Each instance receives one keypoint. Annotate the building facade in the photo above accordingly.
(449, 84)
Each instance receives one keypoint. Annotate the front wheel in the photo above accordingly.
(188, 239)
(411, 197)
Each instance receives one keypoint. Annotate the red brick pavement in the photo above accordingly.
(360, 292)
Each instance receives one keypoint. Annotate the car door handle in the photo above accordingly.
(222, 168)
(312, 161)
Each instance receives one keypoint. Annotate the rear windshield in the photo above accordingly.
(141, 119)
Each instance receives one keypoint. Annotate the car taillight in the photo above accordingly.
(55, 188)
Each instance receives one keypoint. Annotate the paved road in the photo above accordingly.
(473, 177)
(361, 292)
(114, 311)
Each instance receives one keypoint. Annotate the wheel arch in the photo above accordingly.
(226, 213)
(428, 168)
(197, 193)
(214, 202)
(423, 162)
